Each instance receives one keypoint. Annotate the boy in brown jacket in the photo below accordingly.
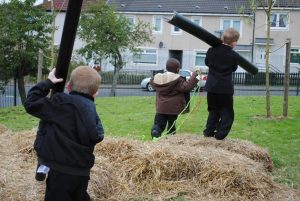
(170, 100)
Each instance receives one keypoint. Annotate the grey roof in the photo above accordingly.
(191, 6)
(187, 6)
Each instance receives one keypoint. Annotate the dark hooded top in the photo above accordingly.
(222, 62)
(68, 131)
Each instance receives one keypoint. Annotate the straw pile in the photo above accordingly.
(243, 147)
(194, 168)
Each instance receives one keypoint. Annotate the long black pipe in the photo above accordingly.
(199, 32)
(67, 42)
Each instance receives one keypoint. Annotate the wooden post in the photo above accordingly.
(40, 66)
(286, 77)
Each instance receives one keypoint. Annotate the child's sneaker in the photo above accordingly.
(41, 172)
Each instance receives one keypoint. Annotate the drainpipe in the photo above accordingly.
(253, 38)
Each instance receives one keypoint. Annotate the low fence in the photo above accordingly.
(129, 85)
(276, 79)
(135, 77)
(125, 77)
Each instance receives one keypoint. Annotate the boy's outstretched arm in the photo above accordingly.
(37, 102)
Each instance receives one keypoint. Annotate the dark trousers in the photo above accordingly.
(160, 123)
(65, 187)
(221, 115)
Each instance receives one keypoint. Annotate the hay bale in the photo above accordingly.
(243, 147)
(113, 148)
(2, 185)
(3, 129)
(167, 169)
(102, 179)
(188, 167)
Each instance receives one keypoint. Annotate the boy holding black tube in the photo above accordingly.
(222, 61)
(68, 132)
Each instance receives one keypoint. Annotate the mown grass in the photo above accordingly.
(133, 117)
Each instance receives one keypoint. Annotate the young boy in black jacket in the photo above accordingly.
(170, 97)
(68, 131)
(222, 62)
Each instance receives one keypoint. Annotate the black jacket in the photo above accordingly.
(222, 62)
(68, 130)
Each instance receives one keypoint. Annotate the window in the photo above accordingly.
(227, 23)
(197, 21)
(279, 21)
(157, 24)
(176, 30)
(200, 58)
(131, 20)
(146, 56)
(295, 55)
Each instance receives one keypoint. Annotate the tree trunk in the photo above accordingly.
(40, 65)
(115, 81)
(20, 80)
(118, 64)
(268, 102)
(21, 88)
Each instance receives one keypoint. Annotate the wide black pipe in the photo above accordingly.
(199, 32)
(67, 42)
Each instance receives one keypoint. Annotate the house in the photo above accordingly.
(284, 24)
(214, 16)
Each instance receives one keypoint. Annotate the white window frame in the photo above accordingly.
(292, 48)
(131, 17)
(231, 24)
(277, 27)
(143, 51)
(154, 23)
(173, 32)
(195, 56)
(197, 18)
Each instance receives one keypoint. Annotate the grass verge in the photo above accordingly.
(133, 117)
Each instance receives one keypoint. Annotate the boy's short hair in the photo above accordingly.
(230, 35)
(172, 65)
(85, 80)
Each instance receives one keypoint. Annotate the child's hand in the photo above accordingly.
(52, 77)
(194, 74)
(199, 72)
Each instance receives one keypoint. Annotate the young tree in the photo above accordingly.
(109, 36)
(23, 31)
(268, 7)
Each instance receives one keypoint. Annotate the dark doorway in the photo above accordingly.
(177, 54)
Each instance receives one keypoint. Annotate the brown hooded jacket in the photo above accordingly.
(170, 88)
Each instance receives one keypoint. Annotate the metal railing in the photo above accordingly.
(129, 85)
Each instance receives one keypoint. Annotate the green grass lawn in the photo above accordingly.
(133, 117)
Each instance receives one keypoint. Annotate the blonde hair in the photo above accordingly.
(85, 80)
(230, 35)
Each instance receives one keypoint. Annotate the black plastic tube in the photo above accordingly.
(199, 32)
(67, 42)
